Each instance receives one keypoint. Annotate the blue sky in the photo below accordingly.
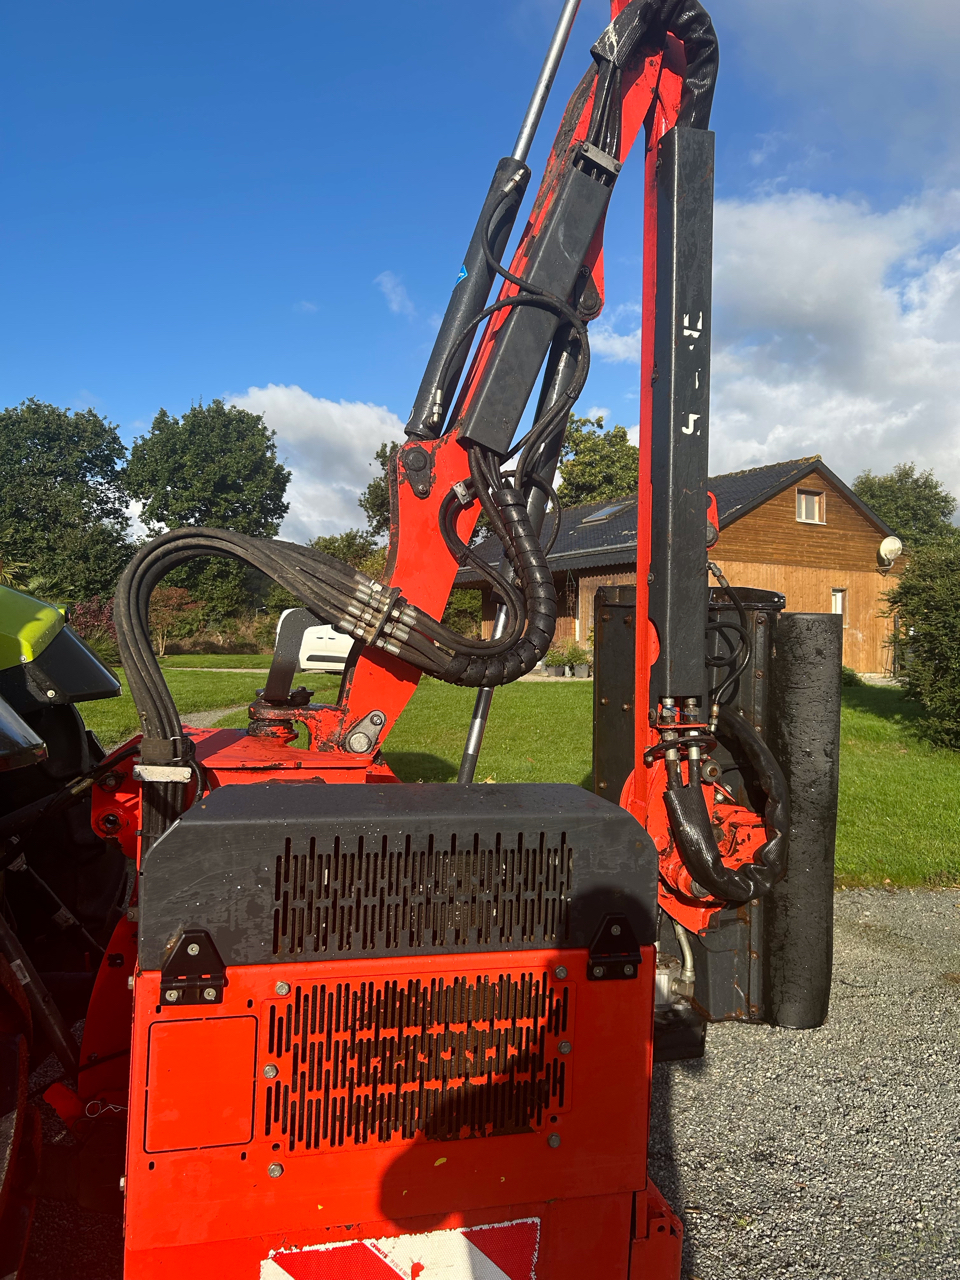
(270, 201)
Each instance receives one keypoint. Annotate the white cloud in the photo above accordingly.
(137, 529)
(329, 447)
(612, 346)
(598, 411)
(837, 331)
(308, 307)
(398, 300)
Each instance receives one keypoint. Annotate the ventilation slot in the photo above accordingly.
(448, 1059)
(369, 898)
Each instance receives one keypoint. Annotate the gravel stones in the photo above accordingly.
(831, 1153)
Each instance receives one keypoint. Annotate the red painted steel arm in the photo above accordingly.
(419, 562)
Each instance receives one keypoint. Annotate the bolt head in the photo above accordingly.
(172, 996)
(271, 1070)
(193, 949)
(210, 993)
(359, 742)
(282, 988)
(615, 930)
(565, 1046)
(598, 970)
(376, 718)
(560, 971)
(553, 1140)
(628, 970)
(275, 1170)
(51, 693)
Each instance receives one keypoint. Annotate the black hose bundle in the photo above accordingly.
(346, 598)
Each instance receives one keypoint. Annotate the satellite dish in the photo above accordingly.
(888, 551)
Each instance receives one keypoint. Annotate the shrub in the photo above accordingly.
(92, 620)
(575, 656)
(849, 677)
(174, 615)
(464, 611)
(555, 658)
(927, 600)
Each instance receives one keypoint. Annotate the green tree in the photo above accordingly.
(216, 466)
(597, 464)
(375, 499)
(928, 604)
(354, 547)
(914, 504)
(63, 502)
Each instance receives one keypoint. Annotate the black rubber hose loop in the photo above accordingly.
(693, 832)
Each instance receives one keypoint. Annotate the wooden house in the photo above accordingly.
(792, 526)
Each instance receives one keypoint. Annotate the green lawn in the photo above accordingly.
(899, 798)
(258, 661)
(115, 719)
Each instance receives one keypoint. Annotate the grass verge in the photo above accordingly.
(248, 661)
(114, 720)
(899, 813)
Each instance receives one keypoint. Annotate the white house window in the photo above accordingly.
(838, 602)
(811, 508)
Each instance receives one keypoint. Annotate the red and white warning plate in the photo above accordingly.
(501, 1251)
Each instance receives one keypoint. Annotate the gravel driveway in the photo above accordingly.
(831, 1153)
(827, 1154)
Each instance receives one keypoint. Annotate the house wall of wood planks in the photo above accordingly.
(770, 548)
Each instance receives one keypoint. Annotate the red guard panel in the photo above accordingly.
(391, 1098)
(185, 1102)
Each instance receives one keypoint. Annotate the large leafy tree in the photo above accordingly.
(597, 463)
(216, 466)
(913, 503)
(63, 500)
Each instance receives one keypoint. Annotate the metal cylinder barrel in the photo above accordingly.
(805, 737)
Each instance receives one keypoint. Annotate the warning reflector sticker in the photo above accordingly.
(501, 1251)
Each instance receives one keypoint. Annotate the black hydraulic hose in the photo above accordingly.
(693, 833)
(530, 564)
(744, 631)
(649, 22)
(738, 659)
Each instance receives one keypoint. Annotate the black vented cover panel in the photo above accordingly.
(352, 898)
(297, 871)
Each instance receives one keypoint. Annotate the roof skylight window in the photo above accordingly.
(604, 513)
